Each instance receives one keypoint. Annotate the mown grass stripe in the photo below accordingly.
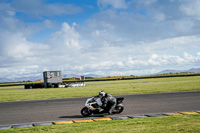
(119, 87)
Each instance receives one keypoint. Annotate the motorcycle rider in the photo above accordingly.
(107, 100)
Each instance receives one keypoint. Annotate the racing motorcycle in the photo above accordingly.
(92, 106)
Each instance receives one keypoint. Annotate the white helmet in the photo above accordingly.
(102, 93)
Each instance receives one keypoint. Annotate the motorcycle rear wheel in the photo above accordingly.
(85, 112)
(119, 109)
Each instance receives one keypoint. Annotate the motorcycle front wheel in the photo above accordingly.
(85, 112)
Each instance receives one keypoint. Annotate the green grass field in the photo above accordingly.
(118, 87)
(166, 124)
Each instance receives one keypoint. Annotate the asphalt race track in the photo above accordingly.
(69, 109)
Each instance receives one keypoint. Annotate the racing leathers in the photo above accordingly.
(108, 101)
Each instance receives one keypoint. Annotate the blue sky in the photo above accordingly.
(103, 37)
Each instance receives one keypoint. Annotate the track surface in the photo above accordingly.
(69, 108)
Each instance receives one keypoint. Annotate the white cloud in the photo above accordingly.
(191, 8)
(118, 4)
(16, 51)
(14, 45)
(23, 71)
(123, 38)
(37, 8)
(178, 40)
(160, 16)
(147, 2)
(165, 60)
(66, 38)
(14, 34)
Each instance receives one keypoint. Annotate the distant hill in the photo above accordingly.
(3, 80)
(195, 70)
(21, 79)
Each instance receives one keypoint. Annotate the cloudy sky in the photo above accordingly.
(103, 37)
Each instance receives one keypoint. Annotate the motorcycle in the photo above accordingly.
(92, 106)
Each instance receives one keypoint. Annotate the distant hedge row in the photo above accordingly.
(110, 78)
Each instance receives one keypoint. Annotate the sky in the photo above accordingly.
(102, 37)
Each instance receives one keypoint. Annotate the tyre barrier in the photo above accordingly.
(22, 125)
(43, 124)
(118, 118)
(155, 115)
(96, 119)
(136, 116)
(5, 127)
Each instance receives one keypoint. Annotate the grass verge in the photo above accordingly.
(118, 87)
(167, 124)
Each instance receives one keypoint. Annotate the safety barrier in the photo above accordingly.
(97, 119)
